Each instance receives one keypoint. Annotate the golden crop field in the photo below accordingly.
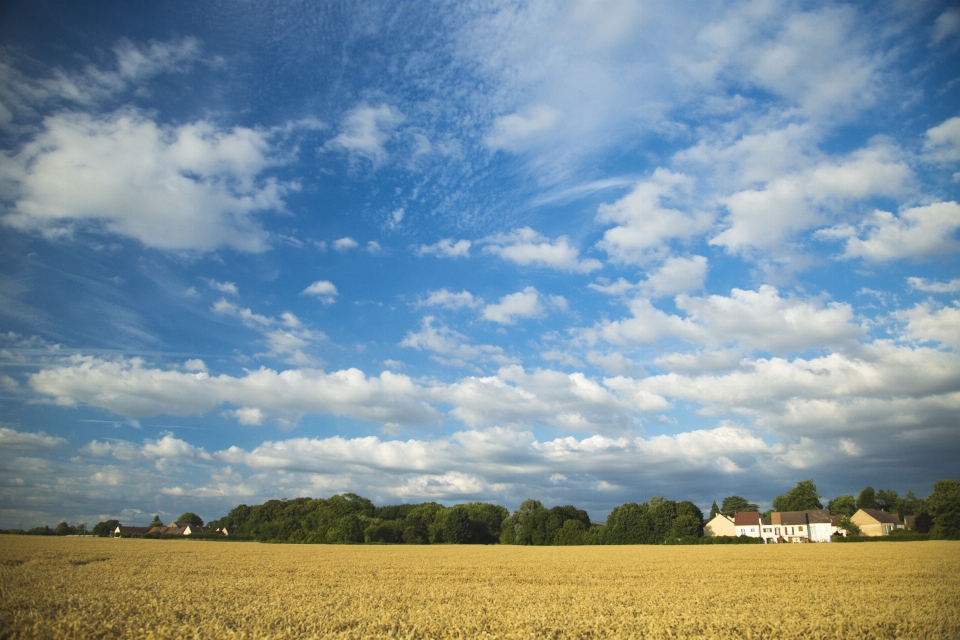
(106, 588)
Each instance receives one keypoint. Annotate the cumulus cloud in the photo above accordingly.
(765, 218)
(446, 248)
(450, 300)
(760, 319)
(365, 132)
(129, 388)
(454, 348)
(13, 440)
(345, 244)
(927, 322)
(676, 275)
(917, 233)
(325, 290)
(193, 187)
(942, 142)
(527, 247)
(921, 284)
(514, 306)
(646, 221)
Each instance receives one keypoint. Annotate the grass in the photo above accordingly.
(106, 588)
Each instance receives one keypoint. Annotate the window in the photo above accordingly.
(799, 528)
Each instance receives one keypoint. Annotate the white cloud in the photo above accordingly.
(943, 141)
(518, 131)
(454, 347)
(946, 25)
(646, 221)
(345, 244)
(373, 247)
(286, 336)
(928, 322)
(12, 440)
(325, 290)
(365, 132)
(21, 95)
(128, 388)
(525, 247)
(446, 248)
(545, 397)
(921, 284)
(450, 300)
(676, 275)
(223, 287)
(195, 365)
(193, 187)
(614, 363)
(522, 304)
(760, 319)
(818, 62)
(767, 217)
(917, 233)
(395, 218)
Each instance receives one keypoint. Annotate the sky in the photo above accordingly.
(583, 252)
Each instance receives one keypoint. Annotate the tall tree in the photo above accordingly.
(456, 525)
(190, 518)
(732, 505)
(843, 505)
(800, 498)
(867, 499)
(944, 505)
(888, 500)
(714, 510)
(157, 522)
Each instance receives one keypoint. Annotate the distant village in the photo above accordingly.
(812, 525)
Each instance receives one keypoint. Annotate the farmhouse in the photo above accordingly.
(720, 525)
(873, 522)
(747, 523)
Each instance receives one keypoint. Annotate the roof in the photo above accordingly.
(882, 516)
(126, 529)
(746, 518)
(792, 518)
(818, 516)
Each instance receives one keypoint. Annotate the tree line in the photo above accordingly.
(352, 519)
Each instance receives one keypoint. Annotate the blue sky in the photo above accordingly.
(586, 252)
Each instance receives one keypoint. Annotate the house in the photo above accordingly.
(747, 523)
(812, 525)
(720, 525)
(820, 524)
(226, 531)
(910, 522)
(873, 522)
(125, 530)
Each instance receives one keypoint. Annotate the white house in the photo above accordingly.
(747, 523)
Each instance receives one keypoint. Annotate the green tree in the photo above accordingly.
(867, 499)
(686, 527)
(944, 506)
(849, 526)
(64, 529)
(572, 533)
(843, 505)
(714, 510)
(732, 505)
(800, 498)
(888, 500)
(189, 518)
(456, 525)
(105, 528)
(157, 522)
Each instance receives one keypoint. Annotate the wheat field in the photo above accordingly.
(106, 588)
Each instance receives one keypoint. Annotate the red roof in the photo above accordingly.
(745, 518)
